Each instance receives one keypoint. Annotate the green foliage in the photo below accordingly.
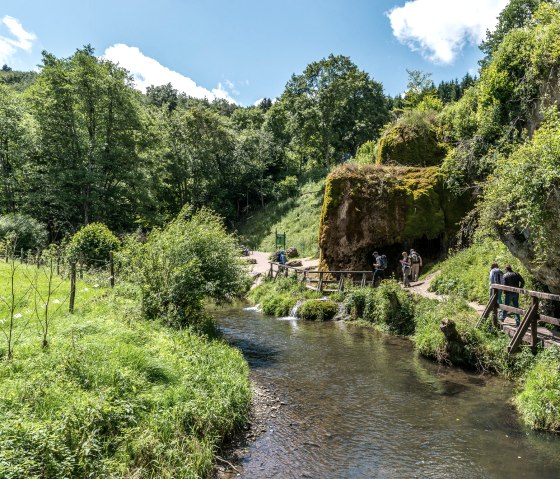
(522, 196)
(114, 396)
(318, 310)
(93, 242)
(278, 297)
(28, 232)
(297, 216)
(539, 400)
(388, 306)
(367, 153)
(466, 273)
(191, 259)
(484, 350)
(412, 140)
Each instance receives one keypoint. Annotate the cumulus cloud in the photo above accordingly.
(19, 39)
(148, 71)
(439, 29)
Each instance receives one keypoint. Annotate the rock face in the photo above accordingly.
(387, 209)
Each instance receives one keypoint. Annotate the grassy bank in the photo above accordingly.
(297, 216)
(465, 274)
(112, 395)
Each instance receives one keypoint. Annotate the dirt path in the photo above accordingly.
(262, 266)
(421, 288)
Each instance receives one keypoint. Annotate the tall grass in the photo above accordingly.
(465, 274)
(114, 395)
(298, 217)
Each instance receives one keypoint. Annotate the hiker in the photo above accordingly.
(282, 258)
(511, 278)
(496, 277)
(415, 264)
(379, 268)
(405, 262)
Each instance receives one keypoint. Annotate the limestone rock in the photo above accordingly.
(381, 208)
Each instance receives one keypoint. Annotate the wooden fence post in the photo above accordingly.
(81, 266)
(112, 269)
(534, 324)
(21, 256)
(72, 286)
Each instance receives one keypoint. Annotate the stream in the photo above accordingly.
(355, 403)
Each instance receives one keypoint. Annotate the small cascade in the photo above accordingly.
(342, 314)
(294, 310)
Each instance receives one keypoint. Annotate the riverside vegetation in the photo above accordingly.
(136, 381)
(393, 310)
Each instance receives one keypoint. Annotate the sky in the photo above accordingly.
(246, 50)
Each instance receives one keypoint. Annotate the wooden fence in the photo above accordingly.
(531, 317)
(322, 281)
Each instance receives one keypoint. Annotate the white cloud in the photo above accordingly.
(19, 39)
(148, 71)
(440, 28)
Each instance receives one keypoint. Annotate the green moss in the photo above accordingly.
(318, 310)
(411, 141)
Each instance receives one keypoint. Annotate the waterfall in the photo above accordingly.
(293, 312)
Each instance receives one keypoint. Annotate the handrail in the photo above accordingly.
(534, 294)
(298, 268)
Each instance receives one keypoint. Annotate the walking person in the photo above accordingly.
(379, 268)
(405, 262)
(415, 264)
(496, 277)
(511, 278)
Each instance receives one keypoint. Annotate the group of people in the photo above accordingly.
(410, 266)
(509, 278)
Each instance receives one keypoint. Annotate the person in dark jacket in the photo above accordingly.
(511, 278)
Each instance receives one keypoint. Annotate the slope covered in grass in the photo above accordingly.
(112, 395)
(465, 273)
(298, 217)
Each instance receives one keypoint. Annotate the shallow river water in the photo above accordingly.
(360, 404)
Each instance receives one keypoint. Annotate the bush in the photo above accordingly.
(30, 234)
(279, 297)
(192, 259)
(387, 305)
(92, 242)
(539, 401)
(318, 310)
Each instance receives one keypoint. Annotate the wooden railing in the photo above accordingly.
(322, 281)
(531, 316)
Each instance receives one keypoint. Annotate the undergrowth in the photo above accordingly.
(278, 297)
(298, 217)
(114, 395)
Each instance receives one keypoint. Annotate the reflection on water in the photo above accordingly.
(363, 405)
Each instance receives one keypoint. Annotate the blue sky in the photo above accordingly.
(247, 49)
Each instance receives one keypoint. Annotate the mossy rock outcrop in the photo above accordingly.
(384, 208)
(411, 141)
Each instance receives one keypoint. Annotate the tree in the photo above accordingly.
(419, 86)
(333, 108)
(87, 163)
(516, 14)
(163, 95)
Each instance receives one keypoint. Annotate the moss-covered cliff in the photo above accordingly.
(411, 140)
(385, 208)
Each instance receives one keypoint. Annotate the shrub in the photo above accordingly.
(387, 305)
(30, 234)
(92, 242)
(318, 310)
(191, 259)
(539, 401)
(286, 187)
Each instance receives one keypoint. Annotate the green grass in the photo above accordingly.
(465, 274)
(113, 395)
(318, 310)
(278, 297)
(538, 402)
(298, 217)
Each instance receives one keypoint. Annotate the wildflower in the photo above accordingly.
(96, 286)
(56, 301)
(17, 316)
